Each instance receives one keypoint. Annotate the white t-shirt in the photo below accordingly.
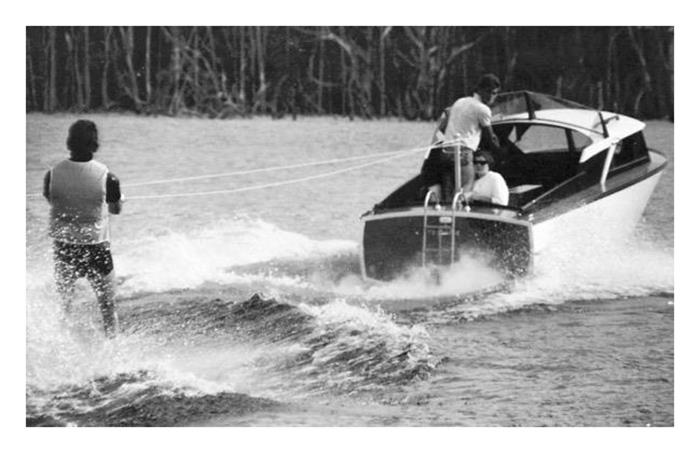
(492, 185)
(467, 116)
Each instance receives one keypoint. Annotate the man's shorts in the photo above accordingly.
(84, 259)
(466, 155)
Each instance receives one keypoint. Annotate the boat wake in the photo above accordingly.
(196, 345)
(249, 256)
(585, 270)
(134, 399)
(231, 252)
(183, 359)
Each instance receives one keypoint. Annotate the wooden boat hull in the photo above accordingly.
(393, 241)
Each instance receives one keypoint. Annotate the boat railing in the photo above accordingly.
(457, 201)
(606, 164)
(426, 204)
(428, 198)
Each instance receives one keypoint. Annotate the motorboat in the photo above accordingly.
(567, 167)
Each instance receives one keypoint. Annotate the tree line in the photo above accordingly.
(411, 72)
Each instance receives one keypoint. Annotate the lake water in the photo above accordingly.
(585, 341)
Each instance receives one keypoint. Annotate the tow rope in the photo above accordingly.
(390, 155)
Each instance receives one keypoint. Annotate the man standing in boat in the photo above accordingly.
(82, 193)
(466, 124)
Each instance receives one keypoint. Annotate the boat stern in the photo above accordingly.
(397, 242)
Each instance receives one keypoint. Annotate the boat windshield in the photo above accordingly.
(517, 102)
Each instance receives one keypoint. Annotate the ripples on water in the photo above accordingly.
(240, 311)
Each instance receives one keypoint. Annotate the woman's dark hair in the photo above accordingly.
(82, 138)
(486, 155)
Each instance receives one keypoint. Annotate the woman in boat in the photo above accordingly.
(489, 186)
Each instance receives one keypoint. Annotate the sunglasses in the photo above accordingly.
(480, 162)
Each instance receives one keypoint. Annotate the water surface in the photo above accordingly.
(248, 309)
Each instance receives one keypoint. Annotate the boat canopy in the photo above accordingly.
(518, 102)
(549, 148)
(531, 107)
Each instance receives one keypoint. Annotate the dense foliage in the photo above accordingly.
(410, 72)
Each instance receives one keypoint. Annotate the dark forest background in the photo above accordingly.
(368, 72)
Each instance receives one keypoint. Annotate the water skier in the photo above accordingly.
(82, 193)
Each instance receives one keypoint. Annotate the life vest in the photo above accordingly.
(77, 193)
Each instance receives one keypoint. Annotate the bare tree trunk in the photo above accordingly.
(176, 68)
(664, 80)
(560, 83)
(106, 102)
(418, 94)
(510, 55)
(439, 69)
(46, 70)
(259, 52)
(671, 77)
(217, 96)
(355, 80)
(230, 43)
(127, 34)
(149, 93)
(51, 95)
(321, 64)
(72, 46)
(382, 70)
(617, 79)
(196, 88)
(242, 68)
(465, 78)
(599, 90)
(612, 35)
(86, 69)
(252, 64)
(343, 82)
(215, 77)
(646, 78)
(428, 57)
(31, 77)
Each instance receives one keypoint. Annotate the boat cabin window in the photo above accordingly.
(579, 140)
(538, 154)
(540, 138)
(629, 150)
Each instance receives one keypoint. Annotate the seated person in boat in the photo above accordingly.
(489, 186)
(461, 125)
